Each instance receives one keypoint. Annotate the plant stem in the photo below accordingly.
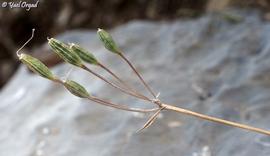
(113, 85)
(121, 107)
(110, 104)
(137, 73)
(120, 80)
(214, 119)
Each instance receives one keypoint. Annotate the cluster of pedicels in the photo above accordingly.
(78, 56)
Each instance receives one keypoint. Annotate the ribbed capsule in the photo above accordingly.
(36, 66)
(83, 54)
(108, 41)
(63, 51)
(76, 89)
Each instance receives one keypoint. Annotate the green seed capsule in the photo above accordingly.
(36, 66)
(83, 54)
(63, 51)
(108, 41)
(76, 89)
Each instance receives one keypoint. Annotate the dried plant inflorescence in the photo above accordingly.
(77, 56)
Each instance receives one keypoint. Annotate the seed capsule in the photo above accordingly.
(36, 66)
(83, 54)
(63, 51)
(76, 89)
(108, 41)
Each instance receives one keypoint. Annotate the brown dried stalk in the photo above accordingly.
(114, 85)
(105, 102)
(214, 119)
(137, 73)
(89, 58)
(128, 87)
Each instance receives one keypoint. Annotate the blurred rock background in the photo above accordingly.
(54, 17)
(226, 55)
(219, 46)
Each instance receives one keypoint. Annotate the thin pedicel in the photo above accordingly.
(69, 56)
(109, 44)
(89, 58)
(73, 87)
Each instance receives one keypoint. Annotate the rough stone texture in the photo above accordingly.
(230, 60)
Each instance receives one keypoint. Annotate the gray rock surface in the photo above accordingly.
(229, 60)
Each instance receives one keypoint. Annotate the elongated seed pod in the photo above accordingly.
(83, 54)
(63, 51)
(36, 66)
(76, 89)
(108, 41)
